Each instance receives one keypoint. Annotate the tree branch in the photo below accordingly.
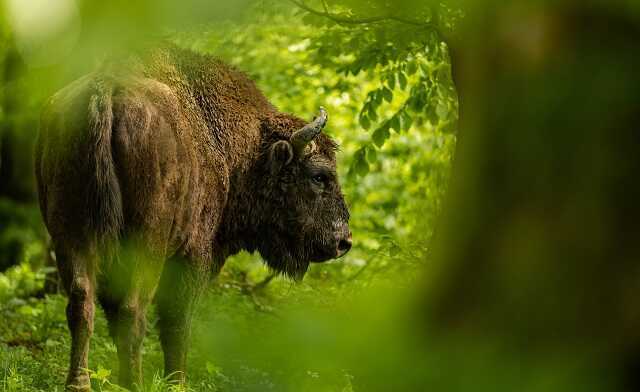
(325, 6)
(353, 21)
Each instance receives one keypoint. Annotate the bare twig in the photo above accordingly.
(252, 291)
(353, 21)
(358, 273)
(263, 283)
(325, 6)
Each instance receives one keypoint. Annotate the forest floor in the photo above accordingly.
(34, 340)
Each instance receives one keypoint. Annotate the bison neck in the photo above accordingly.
(229, 123)
(222, 112)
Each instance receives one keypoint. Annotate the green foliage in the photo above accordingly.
(20, 281)
(394, 186)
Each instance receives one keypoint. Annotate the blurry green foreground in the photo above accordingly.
(525, 277)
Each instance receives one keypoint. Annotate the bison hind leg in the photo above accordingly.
(77, 272)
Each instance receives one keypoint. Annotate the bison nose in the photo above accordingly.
(344, 245)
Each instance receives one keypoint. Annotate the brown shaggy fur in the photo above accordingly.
(151, 173)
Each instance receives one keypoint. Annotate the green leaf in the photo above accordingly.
(373, 116)
(362, 168)
(391, 81)
(387, 94)
(372, 154)
(360, 165)
(407, 121)
(377, 97)
(101, 374)
(402, 80)
(394, 124)
(365, 108)
(412, 67)
(381, 135)
(418, 102)
(365, 122)
(424, 67)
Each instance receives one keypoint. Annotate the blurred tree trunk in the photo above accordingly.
(539, 243)
(18, 124)
(17, 130)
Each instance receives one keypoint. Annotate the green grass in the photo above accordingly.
(334, 332)
(34, 340)
(34, 345)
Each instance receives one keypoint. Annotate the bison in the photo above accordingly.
(152, 171)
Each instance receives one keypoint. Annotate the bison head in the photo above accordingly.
(303, 215)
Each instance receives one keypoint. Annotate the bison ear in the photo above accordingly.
(280, 155)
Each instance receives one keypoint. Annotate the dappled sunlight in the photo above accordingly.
(45, 31)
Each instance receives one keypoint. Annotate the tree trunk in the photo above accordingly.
(538, 246)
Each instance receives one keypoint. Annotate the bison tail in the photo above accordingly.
(104, 197)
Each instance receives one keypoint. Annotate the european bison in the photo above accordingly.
(153, 171)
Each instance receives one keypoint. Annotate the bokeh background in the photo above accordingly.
(514, 266)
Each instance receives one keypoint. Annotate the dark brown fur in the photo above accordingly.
(152, 173)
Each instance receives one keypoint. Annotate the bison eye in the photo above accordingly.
(319, 178)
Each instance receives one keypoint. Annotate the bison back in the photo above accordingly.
(109, 161)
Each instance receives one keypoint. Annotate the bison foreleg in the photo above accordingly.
(129, 335)
(127, 328)
(179, 290)
(132, 286)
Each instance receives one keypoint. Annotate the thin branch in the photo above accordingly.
(262, 284)
(349, 20)
(325, 6)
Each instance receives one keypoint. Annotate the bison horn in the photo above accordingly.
(306, 134)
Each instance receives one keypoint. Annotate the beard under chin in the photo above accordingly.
(285, 264)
